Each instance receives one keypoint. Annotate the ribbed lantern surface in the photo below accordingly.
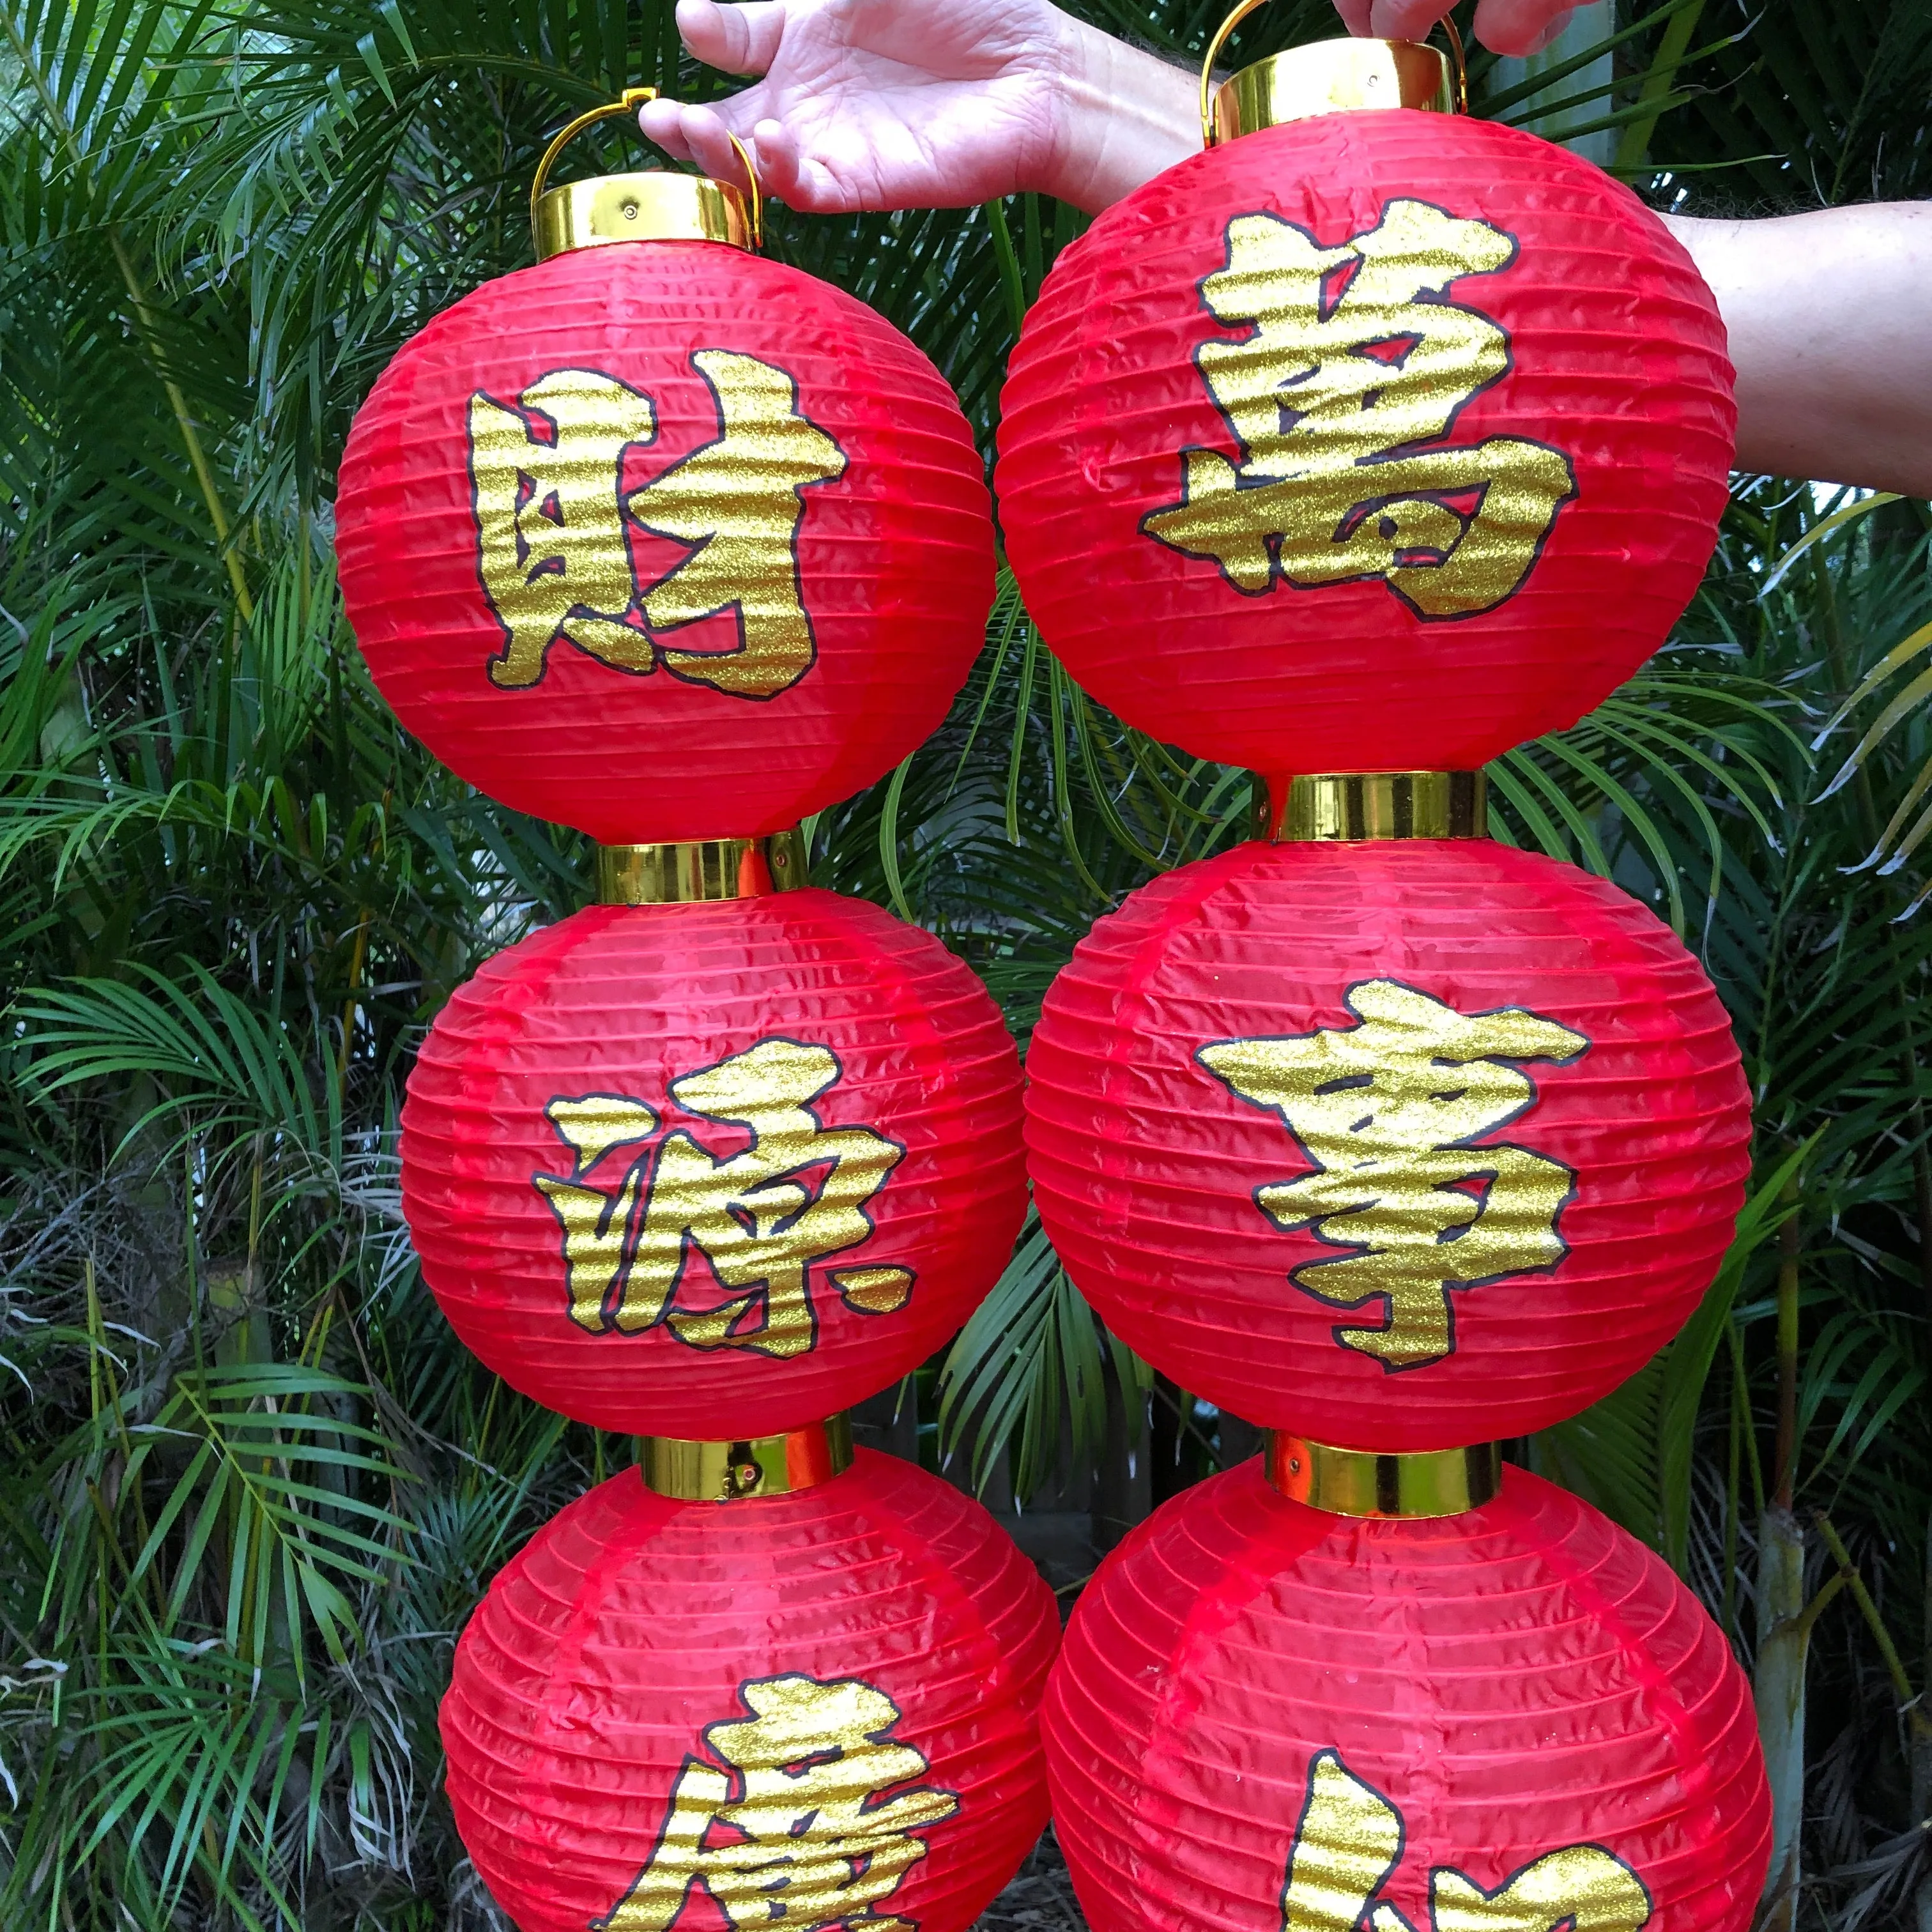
(1267, 1716)
(805, 1710)
(1399, 1146)
(664, 540)
(709, 1171)
(1378, 441)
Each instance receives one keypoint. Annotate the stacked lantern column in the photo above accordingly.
(1356, 450)
(673, 544)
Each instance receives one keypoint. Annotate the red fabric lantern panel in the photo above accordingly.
(1399, 1146)
(664, 540)
(714, 1170)
(1379, 441)
(1509, 1720)
(808, 1709)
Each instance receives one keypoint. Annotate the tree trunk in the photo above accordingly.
(1777, 1685)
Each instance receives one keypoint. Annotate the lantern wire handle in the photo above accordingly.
(1459, 62)
(1245, 8)
(1218, 40)
(627, 105)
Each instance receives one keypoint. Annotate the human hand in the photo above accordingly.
(877, 104)
(1504, 26)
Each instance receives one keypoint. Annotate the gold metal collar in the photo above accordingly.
(1337, 76)
(1359, 1482)
(1353, 807)
(757, 1465)
(700, 870)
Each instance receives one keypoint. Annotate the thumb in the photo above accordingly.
(739, 40)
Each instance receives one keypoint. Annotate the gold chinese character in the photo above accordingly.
(1355, 358)
(795, 1194)
(737, 500)
(554, 544)
(1348, 1840)
(1388, 1111)
(798, 1833)
(556, 562)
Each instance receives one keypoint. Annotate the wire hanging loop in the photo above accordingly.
(1458, 63)
(626, 106)
(1244, 8)
(1215, 43)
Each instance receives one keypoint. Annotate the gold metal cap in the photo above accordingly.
(1356, 807)
(700, 870)
(753, 1466)
(639, 207)
(1338, 76)
(1359, 1482)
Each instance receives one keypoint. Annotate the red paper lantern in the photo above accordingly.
(805, 1706)
(705, 1170)
(1507, 1721)
(664, 540)
(1378, 441)
(1399, 1145)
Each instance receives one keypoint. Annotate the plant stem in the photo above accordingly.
(1790, 1244)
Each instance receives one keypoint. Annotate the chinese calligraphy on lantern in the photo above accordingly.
(554, 520)
(1388, 1110)
(794, 1193)
(1348, 1840)
(798, 1832)
(1355, 360)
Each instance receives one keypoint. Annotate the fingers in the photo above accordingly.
(1521, 26)
(741, 39)
(776, 153)
(1506, 26)
(788, 176)
(1405, 19)
(697, 134)
(708, 142)
(661, 122)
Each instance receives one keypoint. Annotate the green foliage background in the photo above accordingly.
(255, 1486)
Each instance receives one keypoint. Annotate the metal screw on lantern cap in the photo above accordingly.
(701, 871)
(653, 207)
(1338, 76)
(1350, 808)
(750, 1467)
(1360, 1482)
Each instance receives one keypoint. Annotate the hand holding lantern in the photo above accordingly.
(674, 544)
(659, 538)
(1334, 452)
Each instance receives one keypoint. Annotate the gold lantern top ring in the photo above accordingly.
(659, 206)
(749, 1467)
(1328, 77)
(1361, 1483)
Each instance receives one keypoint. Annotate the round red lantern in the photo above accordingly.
(660, 539)
(1512, 1717)
(1399, 1145)
(813, 1707)
(1374, 441)
(706, 1169)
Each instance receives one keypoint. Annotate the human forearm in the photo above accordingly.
(1827, 314)
(1123, 115)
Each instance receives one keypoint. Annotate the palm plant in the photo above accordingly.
(258, 1486)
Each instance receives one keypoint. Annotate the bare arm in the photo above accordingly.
(898, 103)
(1830, 318)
